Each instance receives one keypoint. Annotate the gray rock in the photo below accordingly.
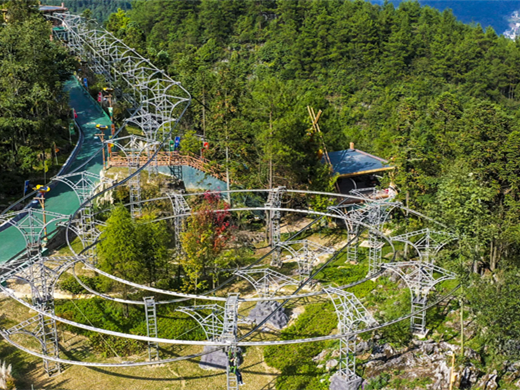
(337, 382)
(278, 321)
(331, 364)
(362, 346)
(472, 354)
(320, 356)
(388, 350)
(488, 381)
(427, 348)
(469, 376)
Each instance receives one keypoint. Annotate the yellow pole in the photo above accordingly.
(452, 371)
(102, 138)
(41, 200)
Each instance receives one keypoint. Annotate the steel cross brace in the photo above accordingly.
(274, 200)
(41, 273)
(351, 314)
(420, 279)
(30, 223)
(151, 327)
(180, 209)
(426, 242)
(268, 282)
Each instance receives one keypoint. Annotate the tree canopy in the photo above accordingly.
(33, 108)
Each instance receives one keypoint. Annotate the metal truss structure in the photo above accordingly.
(427, 242)
(377, 214)
(229, 336)
(32, 223)
(351, 315)
(151, 327)
(350, 218)
(374, 210)
(154, 97)
(420, 277)
(41, 273)
(180, 210)
(308, 255)
(220, 324)
(209, 317)
(84, 184)
(138, 151)
(266, 281)
(228, 325)
(156, 104)
(274, 201)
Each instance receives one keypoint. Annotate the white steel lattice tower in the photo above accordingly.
(308, 255)
(351, 314)
(420, 275)
(274, 201)
(84, 184)
(229, 336)
(151, 327)
(220, 324)
(350, 218)
(180, 209)
(41, 273)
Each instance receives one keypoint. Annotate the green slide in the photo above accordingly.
(62, 199)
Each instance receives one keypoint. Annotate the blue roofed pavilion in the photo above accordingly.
(354, 162)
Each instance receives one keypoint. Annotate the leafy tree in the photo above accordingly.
(134, 251)
(496, 305)
(33, 109)
(119, 252)
(204, 240)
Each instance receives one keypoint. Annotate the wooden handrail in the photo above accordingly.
(171, 158)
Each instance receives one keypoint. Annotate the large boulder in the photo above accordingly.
(279, 320)
(488, 381)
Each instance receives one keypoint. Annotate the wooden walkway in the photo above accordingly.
(172, 159)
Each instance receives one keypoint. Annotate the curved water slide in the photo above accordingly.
(156, 103)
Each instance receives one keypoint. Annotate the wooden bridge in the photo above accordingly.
(170, 159)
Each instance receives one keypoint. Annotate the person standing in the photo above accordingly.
(233, 367)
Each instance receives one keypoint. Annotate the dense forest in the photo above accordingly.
(435, 96)
(438, 98)
(34, 112)
(99, 9)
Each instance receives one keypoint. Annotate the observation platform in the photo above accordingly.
(171, 158)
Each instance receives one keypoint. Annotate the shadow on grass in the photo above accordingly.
(181, 378)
